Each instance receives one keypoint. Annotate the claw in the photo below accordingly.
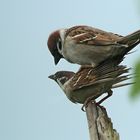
(85, 105)
(83, 108)
(92, 98)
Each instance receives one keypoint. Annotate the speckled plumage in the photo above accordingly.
(89, 81)
(86, 45)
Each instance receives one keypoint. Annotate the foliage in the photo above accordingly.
(135, 90)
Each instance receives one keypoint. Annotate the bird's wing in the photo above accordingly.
(104, 74)
(92, 36)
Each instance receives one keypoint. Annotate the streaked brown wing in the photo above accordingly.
(88, 77)
(99, 75)
(92, 36)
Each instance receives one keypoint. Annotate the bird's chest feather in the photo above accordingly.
(78, 53)
(85, 54)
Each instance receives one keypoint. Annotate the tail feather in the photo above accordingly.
(121, 85)
(131, 38)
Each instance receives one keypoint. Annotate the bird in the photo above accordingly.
(85, 45)
(90, 83)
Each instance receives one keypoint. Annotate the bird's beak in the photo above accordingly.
(57, 57)
(56, 60)
(51, 77)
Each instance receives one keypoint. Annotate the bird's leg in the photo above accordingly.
(92, 98)
(109, 94)
(85, 105)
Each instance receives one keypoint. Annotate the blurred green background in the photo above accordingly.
(135, 90)
(32, 107)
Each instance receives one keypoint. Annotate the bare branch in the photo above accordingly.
(100, 125)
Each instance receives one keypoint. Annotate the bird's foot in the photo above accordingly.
(92, 99)
(88, 100)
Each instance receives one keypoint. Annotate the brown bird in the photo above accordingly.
(86, 45)
(89, 83)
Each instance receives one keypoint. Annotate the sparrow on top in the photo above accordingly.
(86, 45)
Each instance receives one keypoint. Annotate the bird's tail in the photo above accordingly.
(133, 37)
(131, 40)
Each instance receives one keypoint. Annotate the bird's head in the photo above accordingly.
(55, 44)
(61, 77)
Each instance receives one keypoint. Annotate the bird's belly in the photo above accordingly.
(81, 95)
(87, 55)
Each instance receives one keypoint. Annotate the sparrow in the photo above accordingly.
(89, 83)
(86, 45)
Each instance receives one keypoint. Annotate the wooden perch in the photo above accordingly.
(100, 126)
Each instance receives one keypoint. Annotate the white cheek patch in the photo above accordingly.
(62, 36)
(62, 81)
(60, 51)
(59, 46)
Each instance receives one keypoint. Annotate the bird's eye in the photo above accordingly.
(59, 44)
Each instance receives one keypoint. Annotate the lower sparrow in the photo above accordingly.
(89, 83)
